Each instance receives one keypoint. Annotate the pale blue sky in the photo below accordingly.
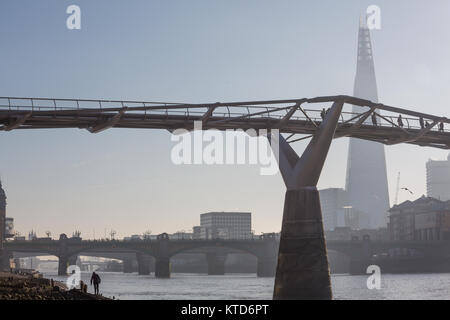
(196, 51)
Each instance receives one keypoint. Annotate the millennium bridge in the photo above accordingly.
(302, 269)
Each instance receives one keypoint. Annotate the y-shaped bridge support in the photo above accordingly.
(302, 270)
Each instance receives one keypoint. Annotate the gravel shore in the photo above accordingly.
(28, 287)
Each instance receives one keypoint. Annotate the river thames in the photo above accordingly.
(247, 286)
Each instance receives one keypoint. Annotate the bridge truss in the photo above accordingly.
(299, 118)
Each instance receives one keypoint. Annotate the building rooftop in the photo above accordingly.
(226, 212)
(422, 204)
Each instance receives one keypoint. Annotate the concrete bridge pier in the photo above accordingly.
(143, 261)
(128, 265)
(162, 267)
(216, 263)
(72, 261)
(63, 255)
(302, 270)
(162, 260)
(358, 266)
(63, 263)
(361, 259)
(267, 266)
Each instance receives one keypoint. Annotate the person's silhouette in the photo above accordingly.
(374, 119)
(400, 121)
(95, 279)
(322, 114)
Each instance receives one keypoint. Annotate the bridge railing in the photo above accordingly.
(241, 111)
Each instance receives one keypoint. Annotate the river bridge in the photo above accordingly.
(359, 251)
(302, 269)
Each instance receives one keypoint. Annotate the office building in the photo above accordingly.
(225, 225)
(332, 202)
(366, 181)
(438, 179)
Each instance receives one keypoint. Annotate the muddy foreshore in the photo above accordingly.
(29, 287)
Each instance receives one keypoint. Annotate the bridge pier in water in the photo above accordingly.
(361, 259)
(128, 265)
(216, 263)
(162, 267)
(63, 255)
(63, 263)
(143, 264)
(72, 261)
(162, 259)
(302, 270)
(266, 267)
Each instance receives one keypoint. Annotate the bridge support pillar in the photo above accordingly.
(162, 267)
(143, 264)
(358, 266)
(267, 266)
(128, 266)
(72, 261)
(216, 263)
(302, 271)
(63, 263)
(360, 262)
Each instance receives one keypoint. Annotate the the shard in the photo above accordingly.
(366, 181)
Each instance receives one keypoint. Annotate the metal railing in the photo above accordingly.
(275, 110)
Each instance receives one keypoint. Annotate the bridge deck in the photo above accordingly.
(289, 116)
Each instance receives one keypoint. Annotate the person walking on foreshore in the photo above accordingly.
(95, 279)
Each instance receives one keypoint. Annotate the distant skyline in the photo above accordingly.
(197, 51)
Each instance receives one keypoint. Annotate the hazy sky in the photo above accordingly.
(196, 51)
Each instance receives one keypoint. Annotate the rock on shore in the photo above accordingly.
(26, 287)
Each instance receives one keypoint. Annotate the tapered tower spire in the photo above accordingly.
(366, 181)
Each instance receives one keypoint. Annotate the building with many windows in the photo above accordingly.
(224, 225)
(438, 179)
(425, 219)
(332, 202)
